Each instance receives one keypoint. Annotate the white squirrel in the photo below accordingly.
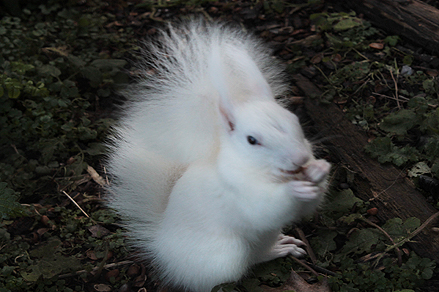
(208, 167)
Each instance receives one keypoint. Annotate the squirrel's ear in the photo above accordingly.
(227, 113)
(253, 79)
(217, 76)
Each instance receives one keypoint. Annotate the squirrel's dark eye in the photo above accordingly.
(252, 140)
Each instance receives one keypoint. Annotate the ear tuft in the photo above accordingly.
(227, 118)
(252, 76)
(217, 76)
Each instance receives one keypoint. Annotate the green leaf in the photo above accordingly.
(278, 6)
(398, 230)
(273, 272)
(399, 122)
(419, 104)
(14, 92)
(430, 86)
(392, 40)
(69, 89)
(430, 124)
(361, 241)
(408, 60)
(93, 74)
(95, 149)
(49, 70)
(324, 242)
(435, 167)
(108, 64)
(350, 218)
(410, 224)
(49, 262)
(9, 206)
(76, 61)
(384, 150)
(347, 23)
(340, 203)
(252, 285)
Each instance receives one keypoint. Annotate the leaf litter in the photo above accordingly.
(380, 84)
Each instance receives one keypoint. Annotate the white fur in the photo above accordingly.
(200, 201)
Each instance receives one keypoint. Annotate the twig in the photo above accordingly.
(321, 270)
(396, 88)
(411, 235)
(419, 229)
(401, 98)
(108, 266)
(79, 207)
(307, 245)
(303, 264)
(365, 58)
(398, 251)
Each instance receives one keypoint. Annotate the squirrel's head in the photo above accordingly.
(262, 134)
(266, 136)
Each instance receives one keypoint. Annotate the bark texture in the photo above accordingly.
(384, 185)
(411, 19)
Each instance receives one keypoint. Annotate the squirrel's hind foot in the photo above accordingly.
(285, 245)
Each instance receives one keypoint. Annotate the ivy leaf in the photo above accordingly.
(361, 241)
(347, 23)
(384, 150)
(108, 64)
(340, 203)
(76, 61)
(410, 224)
(9, 206)
(49, 262)
(418, 103)
(93, 74)
(273, 272)
(392, 40)
(350, 218)
(397, 229)
(430, 86)
(49, 70)
(251, 285)
(435, 167)
(324, 242)
(425, 265)
(13, 92)
(399, 122)
(430, 124)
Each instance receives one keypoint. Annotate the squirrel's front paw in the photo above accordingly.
(304, 190)
(317, 171)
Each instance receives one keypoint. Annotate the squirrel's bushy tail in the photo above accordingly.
(175, 108)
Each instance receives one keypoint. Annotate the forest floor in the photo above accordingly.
(62, 65)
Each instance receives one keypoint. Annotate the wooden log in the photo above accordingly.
(386, 186)
(412, 19)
